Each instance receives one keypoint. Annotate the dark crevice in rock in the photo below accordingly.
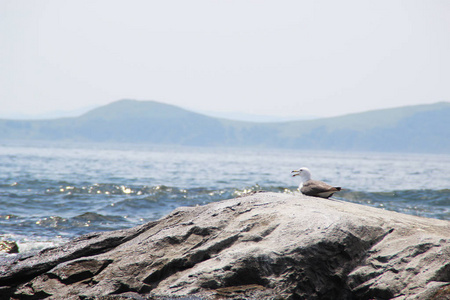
(322, 269)
(201, 231)
(206, 232)
(422, 248)
(187, 262)
(375, 293)
(223, 244)
(123, 288)
(245, 276)
(167, 270)
(442, 274)
(72, 279)
(37, 296)
(84, 269)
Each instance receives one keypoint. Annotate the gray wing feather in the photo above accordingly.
(315, 187)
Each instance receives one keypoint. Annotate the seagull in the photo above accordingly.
(314, 188)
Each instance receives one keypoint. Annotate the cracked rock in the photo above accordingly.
(260, 246)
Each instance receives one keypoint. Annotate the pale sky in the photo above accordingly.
(281, 58)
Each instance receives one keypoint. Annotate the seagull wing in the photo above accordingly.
(318, 189)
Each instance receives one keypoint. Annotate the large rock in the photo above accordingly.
(262, 246)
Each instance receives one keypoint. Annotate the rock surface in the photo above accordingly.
(9, 247)
(261, 246)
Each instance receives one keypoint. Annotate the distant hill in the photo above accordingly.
(421, 128)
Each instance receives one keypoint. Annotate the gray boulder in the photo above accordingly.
(261, 246)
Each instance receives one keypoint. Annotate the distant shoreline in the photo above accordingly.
(412, 129)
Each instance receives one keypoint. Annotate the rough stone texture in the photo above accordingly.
(262, 246)
(8, 247)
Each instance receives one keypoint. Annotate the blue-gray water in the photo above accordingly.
(50, 193)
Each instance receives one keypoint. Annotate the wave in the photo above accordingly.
(146, 195)
(425, 203)
(67, 188)
(68, 207)
(430, 197)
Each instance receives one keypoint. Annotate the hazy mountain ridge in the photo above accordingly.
(421, 128)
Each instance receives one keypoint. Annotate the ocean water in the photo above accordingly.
(52, 192)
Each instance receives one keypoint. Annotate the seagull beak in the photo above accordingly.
(296, 173)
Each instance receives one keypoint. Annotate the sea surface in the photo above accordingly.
(52, 192)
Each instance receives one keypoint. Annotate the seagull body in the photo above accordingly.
(314, 188)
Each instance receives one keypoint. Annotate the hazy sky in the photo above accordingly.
(277, 57)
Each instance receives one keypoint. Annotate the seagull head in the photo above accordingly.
(304, 173)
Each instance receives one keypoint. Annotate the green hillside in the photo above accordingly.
(422, 128)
